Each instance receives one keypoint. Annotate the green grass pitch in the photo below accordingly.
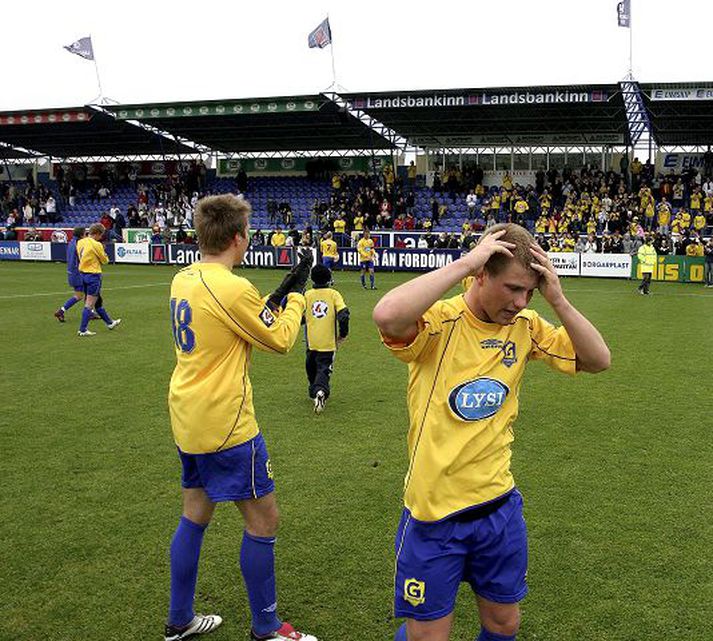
(615, 470)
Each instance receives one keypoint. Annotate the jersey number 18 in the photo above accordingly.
(181, 317)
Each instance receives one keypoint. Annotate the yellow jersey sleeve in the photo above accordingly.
(255, 323)
(429, 330)
(551, 345)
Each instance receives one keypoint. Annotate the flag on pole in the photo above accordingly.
(82, 48)
(623, 13)
(321, 36)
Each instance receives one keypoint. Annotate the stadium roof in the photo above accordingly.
(555, 116)
(82, 131)
(291, 123)
(520, 116)
(681, 113)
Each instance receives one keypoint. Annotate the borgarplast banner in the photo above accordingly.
(35, 251)
(131, 253)
(565, 264)
(475, 98)
(693, 93)
(605, 265)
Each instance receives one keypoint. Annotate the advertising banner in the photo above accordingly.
(131, 252)
(565, 264)
(693, 93)
(9, 250)
(137, 235)
(682, 269)
(56, 235)
(408, 260)
(35, 251)
(605, 265)
(255, 257)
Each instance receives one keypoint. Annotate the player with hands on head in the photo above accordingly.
(462, 517)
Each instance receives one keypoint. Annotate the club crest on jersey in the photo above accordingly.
(478, 399)
(508, 348)
(267, 317)
(415, 592)
(319, 309)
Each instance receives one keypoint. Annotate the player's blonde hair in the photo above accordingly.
(518, 236)
(217, 219)
(96, 229)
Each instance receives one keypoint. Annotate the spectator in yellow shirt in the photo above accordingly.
(278, 239)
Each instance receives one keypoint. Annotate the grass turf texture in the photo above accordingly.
(615, 470)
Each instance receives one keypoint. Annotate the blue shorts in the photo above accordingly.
(239, 473)
(489, 553)
(75, 282)
(92, 284)
(327, 261)
(367, 264)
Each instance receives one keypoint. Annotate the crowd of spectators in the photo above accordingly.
(586, 210)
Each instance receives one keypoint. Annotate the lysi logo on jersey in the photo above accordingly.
(320, 309)
(478, 399)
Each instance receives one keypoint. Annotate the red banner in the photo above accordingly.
(144, 168)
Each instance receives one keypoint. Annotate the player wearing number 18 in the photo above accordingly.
(217, 319)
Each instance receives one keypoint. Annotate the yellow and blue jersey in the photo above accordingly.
(464, 381)
(217, 319)
(91, 256)
(329, 249)
(365, 247)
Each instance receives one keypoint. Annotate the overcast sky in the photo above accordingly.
(160, 51)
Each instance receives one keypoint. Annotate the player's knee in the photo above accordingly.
(504, 621)
(264, 523)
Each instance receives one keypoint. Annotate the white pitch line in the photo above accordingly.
(67, 290)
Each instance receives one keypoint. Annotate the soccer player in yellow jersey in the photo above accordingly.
(326, 328)
(466, 356)
(328, 247)
(92, 256)
(217, 319)
(365, 248)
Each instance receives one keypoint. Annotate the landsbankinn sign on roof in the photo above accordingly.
(409, 101)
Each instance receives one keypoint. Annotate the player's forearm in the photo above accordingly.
(400, 309)
(283, 334)
(592, 352)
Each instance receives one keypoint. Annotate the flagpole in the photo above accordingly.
(96, 68)
(631, 43)
(331, 51)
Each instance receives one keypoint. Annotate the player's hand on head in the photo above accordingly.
(488, 245)
(550, 286)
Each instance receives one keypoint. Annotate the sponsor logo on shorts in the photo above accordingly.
(478, 399)
(415, 592)
(268, 469)
(267, 317)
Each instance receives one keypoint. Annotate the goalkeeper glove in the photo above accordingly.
(295, 281)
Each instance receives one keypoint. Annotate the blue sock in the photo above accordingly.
(401, 633)
(69, 303)
(371, 279)
(103, 315)
(363, 280)
(257, 563)
(185, 552)
(86, 315)
(487, 635)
